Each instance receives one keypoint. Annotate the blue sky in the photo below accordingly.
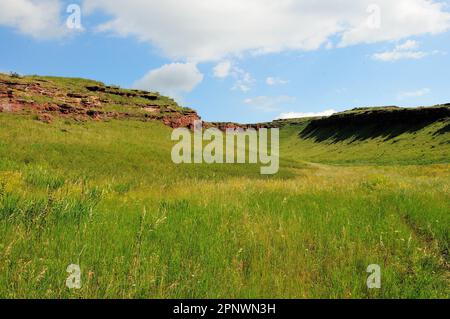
(231, 70)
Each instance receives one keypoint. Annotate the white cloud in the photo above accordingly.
(399, 55)
(243, 81)
(399, 20)
(297, 115)
(171, 79)
(241, 87)
(408, 45)
(413, 94)
(407, 50)
(37, 18)
(223, 69)
(198, 30)
(269, 104)
(272, 81)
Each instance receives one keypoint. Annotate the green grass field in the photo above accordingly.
(106, 196)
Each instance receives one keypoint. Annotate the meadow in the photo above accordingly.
(106, 196)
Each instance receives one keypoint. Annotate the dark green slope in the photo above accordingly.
(374, 135)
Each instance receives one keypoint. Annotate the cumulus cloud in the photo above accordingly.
(198, 30)
(223, 69)
(36, 18)
(413, 94)
(269, 104)
(272, 81)
(297, 115)
(171, 79)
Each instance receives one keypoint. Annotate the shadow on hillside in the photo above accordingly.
(355, 133)
(445, 129)
(355, 127)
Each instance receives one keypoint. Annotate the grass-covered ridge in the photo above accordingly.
(84, 99)
(106, 196)
(372, 136)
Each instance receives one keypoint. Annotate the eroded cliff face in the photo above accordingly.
(181, 120)
(84, 100)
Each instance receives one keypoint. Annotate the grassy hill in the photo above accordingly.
(102, 192)
(81, 100)
(372, 136)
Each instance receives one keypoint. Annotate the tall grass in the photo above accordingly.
(106, 197)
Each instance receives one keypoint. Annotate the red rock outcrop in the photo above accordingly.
(49, 99)
(181, 121)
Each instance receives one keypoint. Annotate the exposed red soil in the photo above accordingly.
(81, 106)
(51, 101)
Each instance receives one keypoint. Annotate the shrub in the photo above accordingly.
(14, 75)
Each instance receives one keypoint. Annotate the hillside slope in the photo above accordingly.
(373, 135)
(82, 100)
(100, 191)
(386, 135)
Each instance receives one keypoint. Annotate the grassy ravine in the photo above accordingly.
(106, 196)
